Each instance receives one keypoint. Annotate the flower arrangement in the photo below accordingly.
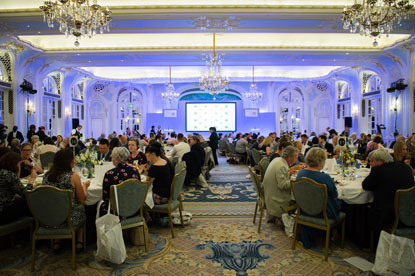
(347, 162)
(87, 161)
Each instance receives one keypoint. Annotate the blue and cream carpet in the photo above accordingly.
(221, 240)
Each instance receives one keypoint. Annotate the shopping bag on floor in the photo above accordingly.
(187, 218)
(395, 255)
(288, 221)
(110, 242)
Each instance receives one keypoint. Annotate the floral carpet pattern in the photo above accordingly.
(221, 240)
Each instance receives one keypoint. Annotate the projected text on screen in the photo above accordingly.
(201, 116)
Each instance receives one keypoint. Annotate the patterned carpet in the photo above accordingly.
(221, 240)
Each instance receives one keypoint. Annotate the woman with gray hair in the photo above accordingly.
(115, 176)
(384, 179)
(315, 160)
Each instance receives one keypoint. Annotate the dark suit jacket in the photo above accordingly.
(213, 141)
(19, 136)
(384, 180)
(329, 147)
(107, 158)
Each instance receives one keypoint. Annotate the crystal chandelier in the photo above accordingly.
(375, 17)
(76, 17)
(169, 95)
(213, 82)
(254, 95)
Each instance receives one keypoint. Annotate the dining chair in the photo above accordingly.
(263, 166)
(260, 201)
(311, 198)
(404, 224)
(52, 223)
(174, 199)
(16, 225)
(131, 195)
(256, 156)
(46, 159)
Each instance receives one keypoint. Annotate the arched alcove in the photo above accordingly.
(129, 109)
(290, 109)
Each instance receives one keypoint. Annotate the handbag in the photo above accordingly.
(395, 255)
(288, 221)
(110, 242)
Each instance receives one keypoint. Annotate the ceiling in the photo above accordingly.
(149, 34)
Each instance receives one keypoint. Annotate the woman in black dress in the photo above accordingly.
(213, 143)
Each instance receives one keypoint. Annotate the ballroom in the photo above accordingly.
(263, 66)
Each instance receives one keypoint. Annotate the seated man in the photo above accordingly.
(241, 144)
(180, 149)
(384, 179)
(322, 139)
(104, 153)
(277, 185)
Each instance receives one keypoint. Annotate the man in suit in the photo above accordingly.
(104, 151)
(213, 143)
(14, 134)
(384, 179)
(322, 139)
(277, 184)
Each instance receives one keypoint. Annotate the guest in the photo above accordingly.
(41, 133)
(60, 144)
(104, 153)
(152, 131)
(299, 146)
(277, 185)
(400, 151)
(283, 143)
(362, 144)
(213, 143)
(173, 139)
(128, 132)
(266, 145)
(314, 144)
(143, 142)
(101, 137)
(322, 139)
(124, 141)
(62, 177)
(315, 160)
(373, 145)
(12, 200)
(384, 179)
(15, 134)
(114, 143)
(256, 144)
(27, 164)
(35, 142)
(15, 145)
(241, 145)
(47, 146)
(180, 149)
(117, 175)
(31, 132)
(158, 174)
(136, 156)
(306, 144)
(399, 139)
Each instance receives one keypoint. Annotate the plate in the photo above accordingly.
(332, 173)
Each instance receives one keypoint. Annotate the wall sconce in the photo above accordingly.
(355, 110)
(127, 119)
(137, 121)
(67, 112)
(30, 108)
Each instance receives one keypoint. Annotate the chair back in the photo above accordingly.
(222, 145)
(232, 148)
(405, 206)
(46, 159)
(257, 184)
(256, 156)
(50, 206)
(310, 196)
(131, 195)
(179, 166)
(177, 184)
(263, 166)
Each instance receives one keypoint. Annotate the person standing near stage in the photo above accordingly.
(213, 143)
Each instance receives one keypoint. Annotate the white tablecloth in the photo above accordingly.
(351, 191)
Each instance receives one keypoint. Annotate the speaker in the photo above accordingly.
(75, 123)
(348, 122)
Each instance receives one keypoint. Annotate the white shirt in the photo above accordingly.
(179, 150)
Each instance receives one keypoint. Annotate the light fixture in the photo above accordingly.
(67, 112)
(169, 94)
(76, 17)
(254, 95)
(213, 82)
(30, 107)
(375, 17)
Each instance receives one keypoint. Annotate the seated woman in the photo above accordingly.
(143, 142)
(117, 175)
(315, 160)
(159, 174)
(28, 165)
(137, 157)
(12, 200)
(62, 177)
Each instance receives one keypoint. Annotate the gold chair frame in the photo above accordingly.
(396, 205)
